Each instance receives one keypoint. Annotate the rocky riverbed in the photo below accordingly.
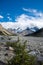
(35, 44)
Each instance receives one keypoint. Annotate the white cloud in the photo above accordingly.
(34, 12)
(29, 21)
(9, 18)
(24, 21)
(30, 10)
(1, 17)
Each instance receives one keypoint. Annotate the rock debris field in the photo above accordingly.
(33, 43)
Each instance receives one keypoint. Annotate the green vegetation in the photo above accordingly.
(21, 56)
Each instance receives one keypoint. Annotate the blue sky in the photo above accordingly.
(21, 12)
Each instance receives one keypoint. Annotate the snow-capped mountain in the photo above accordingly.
(38, 33)
(29, 31)
(12, 30)
(24, 32)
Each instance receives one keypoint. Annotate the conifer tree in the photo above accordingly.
(21, 56)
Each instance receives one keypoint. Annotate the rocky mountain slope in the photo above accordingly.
(29, 31)
(38, 33)
(3, 31)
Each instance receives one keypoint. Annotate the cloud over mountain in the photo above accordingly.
(22, 21)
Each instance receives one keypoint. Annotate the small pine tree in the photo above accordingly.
(21, 57)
